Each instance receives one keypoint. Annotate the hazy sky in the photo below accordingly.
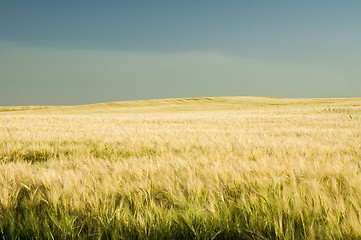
(87, 51)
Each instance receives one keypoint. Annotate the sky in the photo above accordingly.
(87, 51)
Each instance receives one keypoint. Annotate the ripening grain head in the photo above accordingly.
(210, 167)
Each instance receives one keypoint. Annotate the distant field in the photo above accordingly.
(195, 168)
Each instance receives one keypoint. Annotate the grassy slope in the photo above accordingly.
(192, 104)
(223, 168)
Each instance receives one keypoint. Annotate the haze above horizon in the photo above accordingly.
(83, 52)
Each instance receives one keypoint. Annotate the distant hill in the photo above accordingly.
(190, 104)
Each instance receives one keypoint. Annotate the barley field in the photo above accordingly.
(191, 168)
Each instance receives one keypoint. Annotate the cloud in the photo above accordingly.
(57, 76)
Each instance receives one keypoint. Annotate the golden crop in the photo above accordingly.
(205, 168)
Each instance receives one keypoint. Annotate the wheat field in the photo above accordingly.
(191, 168)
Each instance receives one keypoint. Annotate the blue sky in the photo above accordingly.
(78, 52)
